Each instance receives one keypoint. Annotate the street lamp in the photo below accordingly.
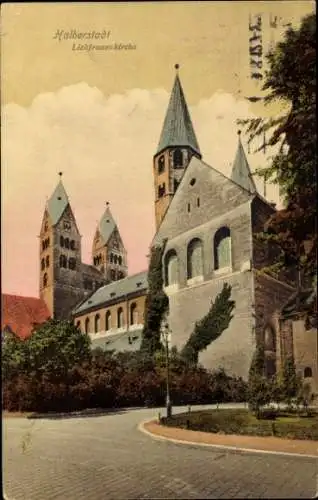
(165, 337)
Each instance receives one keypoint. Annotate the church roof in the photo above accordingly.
(115, 291)
(241, 172)
(20, 314)
(57, 203)
(177, 128)
(106, 225)
(127, 341)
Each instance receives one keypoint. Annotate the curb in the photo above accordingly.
(234, 449)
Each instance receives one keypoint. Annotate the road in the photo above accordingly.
(107, 457)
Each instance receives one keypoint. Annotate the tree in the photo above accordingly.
(259, 388)
(57, 346)
(157, 302)
(14, 356)
(289, 381)
(211, 326)
(291, 80)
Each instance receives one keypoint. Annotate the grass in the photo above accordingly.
(242, 422)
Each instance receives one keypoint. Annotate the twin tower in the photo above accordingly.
(65, 280)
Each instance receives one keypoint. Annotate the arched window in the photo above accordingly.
(63, 261)
(72, 245)
(71, 263)
(120, 260)
(222, 248)
(177, 158)
(87, 326)
(120, 317)
(111, 257)
(194, 258)
(47, 261)
(307, 372)
(42, 264)
(171, 268)
(269, 339)
(45, 280)
(47, 242)
(115, 259)
(108, 321)
(43, 246)
(67, 243)
(161, 164)
(61, 241)
(97, 323)
(133, 314)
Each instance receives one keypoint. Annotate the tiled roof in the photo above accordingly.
(106, 225)
(241, 172)
(128, 341)
(177, 128)
(19, 314)
(115, 291)
(57, 203)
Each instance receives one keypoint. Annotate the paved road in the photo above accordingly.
(106, 457)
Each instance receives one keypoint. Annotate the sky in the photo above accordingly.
(97, 115)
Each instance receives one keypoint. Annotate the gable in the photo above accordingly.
(203, 194)
(67, 220)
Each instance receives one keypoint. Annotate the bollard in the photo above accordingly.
(189, 409)
(159, 417)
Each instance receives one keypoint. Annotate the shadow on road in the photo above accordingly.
(91, 412)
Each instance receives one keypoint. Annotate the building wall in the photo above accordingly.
(113, 309)
(190, 300)
(305, 344)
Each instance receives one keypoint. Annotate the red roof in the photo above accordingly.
(19, 314)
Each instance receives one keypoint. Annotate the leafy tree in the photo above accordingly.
(211, 326)
(157, 302)
(291, 81)
(14, 356)
(259, 388)
(57, 346)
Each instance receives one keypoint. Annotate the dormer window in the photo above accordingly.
(161, 164)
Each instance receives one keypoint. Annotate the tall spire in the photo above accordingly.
(106, 224)
(58, 202)
(241, 173)
(177, 128)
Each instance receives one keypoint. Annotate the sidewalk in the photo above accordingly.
(231, 442)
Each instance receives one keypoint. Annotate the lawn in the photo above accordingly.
(242, 422)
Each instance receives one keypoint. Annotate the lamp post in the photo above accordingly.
(165, 338)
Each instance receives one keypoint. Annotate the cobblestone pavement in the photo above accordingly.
(106, 457)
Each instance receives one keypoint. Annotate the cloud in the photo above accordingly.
(104, 146)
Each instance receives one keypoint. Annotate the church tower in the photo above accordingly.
(60, 256)
(109, 254)
(177, 145)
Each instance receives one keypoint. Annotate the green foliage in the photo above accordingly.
(211, 326)
(57, 346)
(259, 388)
(291, 80)
(241, 422)
(289, 382)
(157, 302)
(14, 356)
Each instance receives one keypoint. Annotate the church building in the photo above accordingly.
(210, 223)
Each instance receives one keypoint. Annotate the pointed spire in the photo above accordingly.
(58, 202)
(106, 224)
(241, 173)
(177, 128)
